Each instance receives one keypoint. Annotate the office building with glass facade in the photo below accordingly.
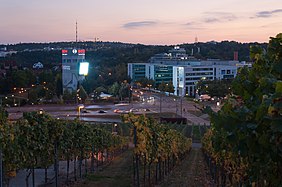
(183, 71)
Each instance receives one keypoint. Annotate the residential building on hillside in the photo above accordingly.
(6, 53)
(182, 70)
(37, 65)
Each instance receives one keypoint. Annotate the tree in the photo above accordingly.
(170, 88)
(3, 115)
(162, 87)
(114, 89)
(82, 93)
(32, 96)
(6, 85)
(246, 133)
(20, 78)
(59, 85)
(145, 82)
(46, 76)
(124, 90)
(214, 88)
(69, 96)
(275, 55)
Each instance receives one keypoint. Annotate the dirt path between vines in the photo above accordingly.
(117, 174)
(191, 172)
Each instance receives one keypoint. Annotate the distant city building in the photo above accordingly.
(4, 52)
(3, 48)
(70, 68)
(182, 70)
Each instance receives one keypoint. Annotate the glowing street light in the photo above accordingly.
(115, 129)
(79, 107)
(176, 107)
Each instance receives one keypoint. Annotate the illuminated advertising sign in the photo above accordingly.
(81, 51)
(83, 68)
(64, 52)
(73, 52)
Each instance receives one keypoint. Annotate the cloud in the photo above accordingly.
(211, 20)
(193, 26)
(190, 23)
(133, 25)
(266, 14)
(212, 17)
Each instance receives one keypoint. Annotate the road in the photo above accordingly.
(169, 104)
(181, 106)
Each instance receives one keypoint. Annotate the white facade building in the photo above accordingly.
(183, 71)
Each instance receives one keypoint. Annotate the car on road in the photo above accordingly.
(139, 110)
(102, 111)
(121, 111)
(133, 110)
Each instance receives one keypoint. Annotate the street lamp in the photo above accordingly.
(14, 100)
(130, 96)
(181, 105)
(79, 107)
(175, 106)
(160, 104)
(115, 129)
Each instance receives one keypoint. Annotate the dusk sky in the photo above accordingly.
(139, 21)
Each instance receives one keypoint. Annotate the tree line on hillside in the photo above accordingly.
(106, 51)
(60, 45)
(222, 50)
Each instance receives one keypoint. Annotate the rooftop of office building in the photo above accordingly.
(178, 57)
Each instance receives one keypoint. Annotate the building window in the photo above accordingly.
(190, 83)
(202, 69)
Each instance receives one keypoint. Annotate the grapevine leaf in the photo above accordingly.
(278, 88)
(276, 125)
(252, 126)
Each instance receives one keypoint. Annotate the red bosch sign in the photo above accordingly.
(66, 52)
(81, 51)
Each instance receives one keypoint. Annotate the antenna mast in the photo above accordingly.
(76, 32)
